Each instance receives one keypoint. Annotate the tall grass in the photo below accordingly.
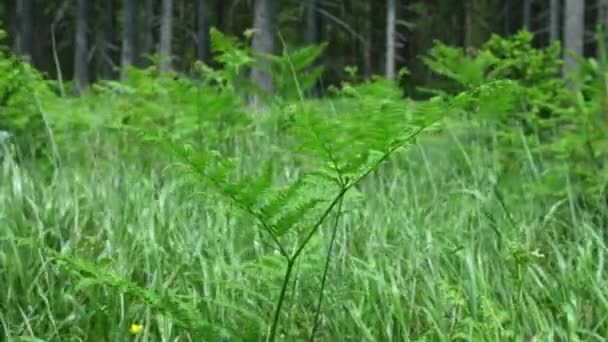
(440, 244)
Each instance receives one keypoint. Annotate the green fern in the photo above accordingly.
(336, 144)
(293, 73)
(338, 150)
(181, 311)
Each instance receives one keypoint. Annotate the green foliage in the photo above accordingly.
(516, 59)
(293, 71)
(513, 58)
(454, 64)
(182, 311)
(181, 108)
(2, 34)
(336, 151)
(235, 59)
(316, 221)
(566, 128)
(582, 127)
(21, 89)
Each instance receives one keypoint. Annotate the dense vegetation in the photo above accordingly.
(477, 212)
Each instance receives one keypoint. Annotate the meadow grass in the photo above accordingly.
(428, 249)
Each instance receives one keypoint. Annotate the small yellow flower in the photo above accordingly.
(135, 329)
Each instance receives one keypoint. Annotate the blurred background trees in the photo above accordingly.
(92, 39)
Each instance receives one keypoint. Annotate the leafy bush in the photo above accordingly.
(564, 128)
(582, 132)
(22, 88)
(535, 71)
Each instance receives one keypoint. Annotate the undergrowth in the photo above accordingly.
(164, 201)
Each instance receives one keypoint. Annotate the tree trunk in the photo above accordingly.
(81, 68)
(149, 43)
(311, 34)
(527, 15)
(602, 13)
(507, 18)
(367, 44)
(129, 35)
(391, 14)
(105, 38)
(202, 30)
(219, 14)
(166, 33)
(554, 20)
(263, 43)
(574, 32)
(24, 28)
(602, 22)
(480, 21)
(468, 23)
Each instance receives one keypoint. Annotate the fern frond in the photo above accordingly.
(298, 216)
(281, 198)
(182, 312)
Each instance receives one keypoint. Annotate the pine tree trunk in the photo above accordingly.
(506, 30)
(602, 22)
(311, 34)
(166, 35)
(219, 14)
(367, 44)
(391, 9)
(149, 43)
(263, 43)
(468, 23)
(574, 32)
(81, 69)
(129, 35)
(24, 28)
(104, 40)
(202, 30)
(554, 20)
(527, 15)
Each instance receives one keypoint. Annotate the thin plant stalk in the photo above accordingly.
(338, 199)
(277, 311)
(325, 271)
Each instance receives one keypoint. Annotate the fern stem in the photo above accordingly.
(292, 260)
(318, 224)
(277, 311)
(325, 271)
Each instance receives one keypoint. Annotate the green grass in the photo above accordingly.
(424, 252)
(472, 233)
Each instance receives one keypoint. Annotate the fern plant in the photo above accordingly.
(335, 149)
(293, 73)
(336, 152)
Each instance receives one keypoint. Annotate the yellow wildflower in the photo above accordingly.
(135, 329)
